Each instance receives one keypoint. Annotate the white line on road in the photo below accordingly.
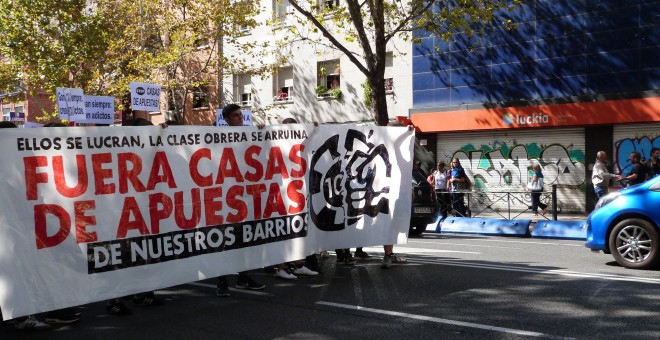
(206, 285)
(609, 277)
(436, 320)
(419, 251)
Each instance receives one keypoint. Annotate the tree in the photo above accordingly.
(103, 45)
(374, 23)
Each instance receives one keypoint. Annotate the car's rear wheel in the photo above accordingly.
(634, 244)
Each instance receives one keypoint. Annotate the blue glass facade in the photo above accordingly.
(561, 49)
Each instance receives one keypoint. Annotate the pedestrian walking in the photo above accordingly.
(459, 182)
(536, 185)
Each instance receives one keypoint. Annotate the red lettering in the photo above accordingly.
(228, 167)
(179, 210)
(274, 201)
(212, 205)
(129, 175)
(293, 191)
(32, 177)
(125, 222)
(82, 221)
(255, 190)
(252, 162)
(60, 181)
(100, 174)
(275, 164)
(40, 227)
(296, 158)
(156, 214)
(236, 204)
(161, 163)
(202, 181)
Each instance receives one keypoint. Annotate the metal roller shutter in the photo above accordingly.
(633, 137)
(501, 161)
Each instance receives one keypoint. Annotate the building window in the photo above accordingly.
(329, 80)
(281, 9)
(5, 113)
(243, 89)
(283, 85)
(18, 108)
(389, 85)
(202, 40)
(389, 72)
(328, 4)
(200, 97)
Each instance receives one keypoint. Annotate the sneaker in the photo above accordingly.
(116, 307)
(398, 259)
(285, 274)
(387, 261)
(362, 254)
(61, 316)
(304, 271)
(223, 289)
(251, 285)
(146, 299)
(31, 323)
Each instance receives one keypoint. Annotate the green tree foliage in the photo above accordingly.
(372, 24)
(103, 45)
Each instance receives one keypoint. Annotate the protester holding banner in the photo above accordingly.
(116, 306)
(26, 322)
(389, 258)
(233, 116)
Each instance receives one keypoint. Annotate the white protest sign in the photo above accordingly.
(93, 213)
(247, 118)
(145, 97)
(99, 110)
(70, 103)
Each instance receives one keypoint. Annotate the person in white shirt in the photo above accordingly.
(441, 176)
(600, 177)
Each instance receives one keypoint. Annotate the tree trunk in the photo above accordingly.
(379, 100)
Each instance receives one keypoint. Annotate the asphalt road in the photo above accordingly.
(454, 287)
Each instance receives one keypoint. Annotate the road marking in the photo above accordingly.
(436, 320)
(418, 251)
(463, 244)
(247, 291)
(569, 273)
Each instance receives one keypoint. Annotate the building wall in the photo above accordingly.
(560, 49)
(303, 58)
(588, 64)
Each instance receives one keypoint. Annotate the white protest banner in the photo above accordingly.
(247, 118)
(70, 103)
(99, 110)
(145, 97)
(92, 213)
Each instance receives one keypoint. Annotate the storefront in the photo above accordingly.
(497, 147)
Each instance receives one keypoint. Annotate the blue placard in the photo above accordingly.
(17, 116)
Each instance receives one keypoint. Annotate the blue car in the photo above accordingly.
(626, 224)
